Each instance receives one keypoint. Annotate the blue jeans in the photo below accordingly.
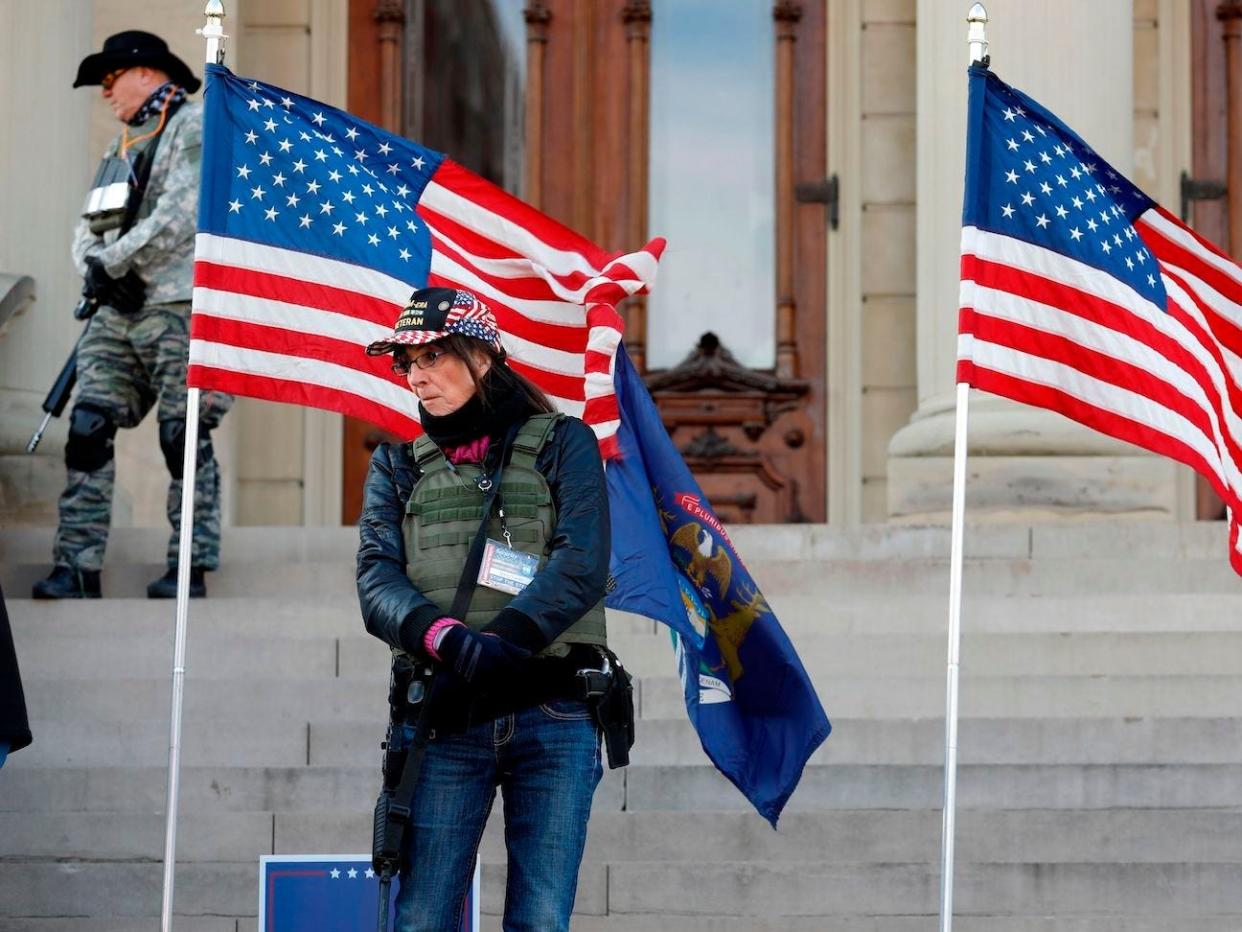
(546, 761)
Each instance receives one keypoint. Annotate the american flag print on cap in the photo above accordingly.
(434, 313)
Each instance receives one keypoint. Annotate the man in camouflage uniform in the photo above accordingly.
(133, 357)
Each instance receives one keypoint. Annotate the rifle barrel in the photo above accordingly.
(38, 434)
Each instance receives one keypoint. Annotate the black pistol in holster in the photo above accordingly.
(609, 692)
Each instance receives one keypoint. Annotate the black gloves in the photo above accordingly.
(518, 628)
(479, 658)
(126, 294)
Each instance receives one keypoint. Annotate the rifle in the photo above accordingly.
(411, 689)
(126, 295)
(62, 388)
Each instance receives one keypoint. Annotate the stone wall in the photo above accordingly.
(888, 331)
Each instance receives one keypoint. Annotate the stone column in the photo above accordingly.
(1077, 60)
(46, 166)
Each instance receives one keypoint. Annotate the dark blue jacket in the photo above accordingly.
(570, 583)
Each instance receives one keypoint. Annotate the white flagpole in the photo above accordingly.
(213, 32)
(977, 19)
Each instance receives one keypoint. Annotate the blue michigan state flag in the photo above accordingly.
(746, 691)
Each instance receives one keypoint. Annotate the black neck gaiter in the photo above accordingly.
(507, 405)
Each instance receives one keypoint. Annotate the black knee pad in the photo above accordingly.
(91, 430)
(172, 442)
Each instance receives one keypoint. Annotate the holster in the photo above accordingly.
(610, 695)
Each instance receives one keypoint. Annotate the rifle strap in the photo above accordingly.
(142, 172)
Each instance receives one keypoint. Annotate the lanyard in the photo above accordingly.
(489, 487)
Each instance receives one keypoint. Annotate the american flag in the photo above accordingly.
(315, 226)
(1081, 295)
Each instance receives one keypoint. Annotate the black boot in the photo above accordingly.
(166, 586)
(66, 582)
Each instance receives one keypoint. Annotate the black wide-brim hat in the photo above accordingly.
(134, 49)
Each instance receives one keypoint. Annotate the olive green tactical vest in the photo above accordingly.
(443, 515)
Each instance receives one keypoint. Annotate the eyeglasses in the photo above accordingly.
(402, 364)
(110, 78)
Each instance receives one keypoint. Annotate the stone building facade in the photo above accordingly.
(877, 320)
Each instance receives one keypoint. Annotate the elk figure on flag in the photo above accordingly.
(314, 226)
(1081, 295)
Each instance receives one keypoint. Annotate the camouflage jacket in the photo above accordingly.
(160, 245)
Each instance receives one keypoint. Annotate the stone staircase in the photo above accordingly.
(1100, 786)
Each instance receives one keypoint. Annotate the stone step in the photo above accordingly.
(181, 923)
(682, 923)
(999, 696)
(264, 741)
(211, 789)
(824, 580)
(846, 836)
(718, 889)
(1157, 540)
(873, 836)
(664, 788)
(1136, 836)
(298, 615)
(646, 653)
(1125, 740)
(916, 923)
(144, 703)
(289, 617)
(980, 786)
(827, 889)
(861, 697)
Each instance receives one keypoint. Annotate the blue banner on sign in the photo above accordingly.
(331, 893)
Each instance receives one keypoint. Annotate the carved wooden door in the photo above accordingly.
(439, 72)
(751, 425)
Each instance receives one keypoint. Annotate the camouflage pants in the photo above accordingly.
(128, 364)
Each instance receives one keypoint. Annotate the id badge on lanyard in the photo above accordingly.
(505, 569)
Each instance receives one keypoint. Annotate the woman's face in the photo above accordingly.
(446, 384)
